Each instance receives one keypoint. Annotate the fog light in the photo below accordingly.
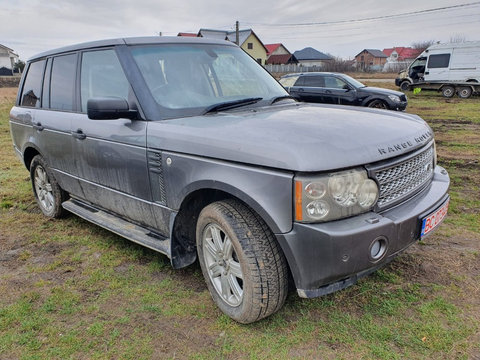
(378, 248)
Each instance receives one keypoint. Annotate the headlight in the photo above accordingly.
(334, 196)
(394, 98)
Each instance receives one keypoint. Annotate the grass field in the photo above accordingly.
(69, 289)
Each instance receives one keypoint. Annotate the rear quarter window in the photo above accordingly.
(32, 88)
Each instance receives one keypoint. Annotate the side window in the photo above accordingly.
(32, 88)
(102, 75)
(314, 81)
(335, 83)
(438, 61)
(62, 83)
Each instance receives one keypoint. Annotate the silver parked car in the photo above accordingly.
(190, 148)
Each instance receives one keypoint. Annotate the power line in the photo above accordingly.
(369, 18)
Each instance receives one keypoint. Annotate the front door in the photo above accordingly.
(111, 153)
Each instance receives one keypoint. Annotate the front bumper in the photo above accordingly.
(328, 257)
(398, 81)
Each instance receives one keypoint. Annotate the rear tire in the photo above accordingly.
(243, 265)
(448, 91)
(48, 193)
(464, 92)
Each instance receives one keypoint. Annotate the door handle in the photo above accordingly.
(78, 134)
(38, 126)
(426, 73)
(300, 90)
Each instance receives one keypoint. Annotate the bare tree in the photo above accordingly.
(458, 38)
(422, 45)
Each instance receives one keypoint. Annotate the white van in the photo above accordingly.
(453, 62)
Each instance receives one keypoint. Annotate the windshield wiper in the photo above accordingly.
(231, 104)
(280, 98)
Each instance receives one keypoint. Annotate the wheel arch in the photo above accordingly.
(28, 153)
(201, 194)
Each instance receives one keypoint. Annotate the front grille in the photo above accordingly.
(403, 97)
(403, 178)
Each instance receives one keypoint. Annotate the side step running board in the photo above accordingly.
(135, 233)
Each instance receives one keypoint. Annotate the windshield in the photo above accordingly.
(187, 79)
(352, 81)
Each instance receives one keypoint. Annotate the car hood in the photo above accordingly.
(296, 137)
(380, 91)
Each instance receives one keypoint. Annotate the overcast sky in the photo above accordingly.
(32, 26)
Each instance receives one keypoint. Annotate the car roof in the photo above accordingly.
(131, 41)
(313, 73)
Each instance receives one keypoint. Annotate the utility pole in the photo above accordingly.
(237, 39)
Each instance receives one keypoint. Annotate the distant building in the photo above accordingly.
(8, 59)
(279, 54)
(311, 57)
(248, 41)
(401, 54)
(370, 59)
(187, 34)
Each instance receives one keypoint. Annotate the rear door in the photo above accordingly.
(53, 120)
(437, 68)
(312, 88)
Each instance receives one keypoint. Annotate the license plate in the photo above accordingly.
(432, 220)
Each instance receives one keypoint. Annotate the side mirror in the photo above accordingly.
(109, 108)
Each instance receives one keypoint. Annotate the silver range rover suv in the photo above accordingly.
(190, 148)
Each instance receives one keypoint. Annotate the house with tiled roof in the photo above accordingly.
(8, 59)
(401, 53)
(248, 41)
(187, 34)
(311, 57)
(279, 54)
(370, 59)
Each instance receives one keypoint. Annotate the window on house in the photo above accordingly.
(33, 85)
(250, 46)
(259, 61)
(362, 58)
(62, 83)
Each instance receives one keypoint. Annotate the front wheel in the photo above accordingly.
(378, 104)
(405, 85)
(48, 193)
(243, 265)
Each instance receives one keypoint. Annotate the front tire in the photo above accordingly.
(405, 85)
(378, 104)
(243, 265)
(48, 193)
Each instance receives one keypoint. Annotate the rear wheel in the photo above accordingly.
(378, 104)
(243, 265)
(465, 92)
(448, 91)
(48, 193)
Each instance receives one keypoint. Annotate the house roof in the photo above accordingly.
(403, 52)
(187, 34)
(8, 49)
(281, 59)
(374, 52)
(229, 35)
(272, 47)
(310, 54)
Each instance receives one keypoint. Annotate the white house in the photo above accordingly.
(8, 59)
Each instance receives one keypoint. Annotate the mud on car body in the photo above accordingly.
(190, 148)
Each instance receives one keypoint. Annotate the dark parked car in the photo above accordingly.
(190, 148)
(335, 88)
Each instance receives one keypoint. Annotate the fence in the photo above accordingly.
(290, 68)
